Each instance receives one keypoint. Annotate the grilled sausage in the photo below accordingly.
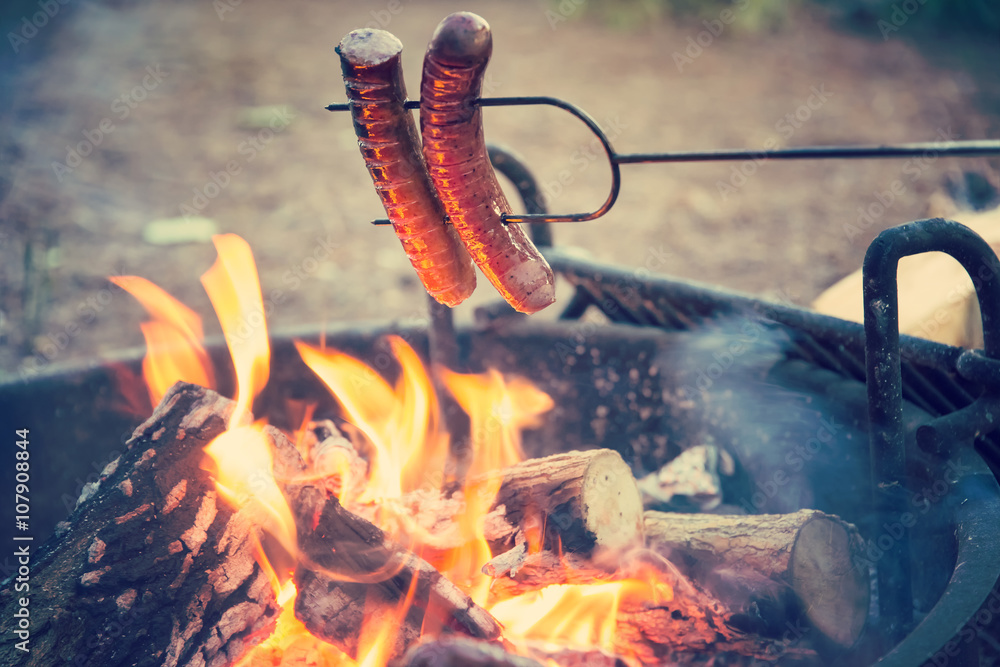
(387, 135)
(455, 152)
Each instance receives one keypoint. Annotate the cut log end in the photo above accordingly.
(588, 499)
(822, 573)
(808, 555)
(612, 505)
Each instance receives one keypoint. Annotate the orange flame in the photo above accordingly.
(291, 644)
(233, 286)
(400, 423)
(243, 459)
(242, 455)
(498, 412)
(174, 339)
(580, 616)
(399, 433)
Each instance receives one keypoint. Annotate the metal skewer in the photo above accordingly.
(973, 148)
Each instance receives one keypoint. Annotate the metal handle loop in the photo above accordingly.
(971, 148)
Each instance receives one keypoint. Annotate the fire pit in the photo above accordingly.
(679, 366)
(775, 400)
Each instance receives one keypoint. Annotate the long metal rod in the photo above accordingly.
(972, 148)
(934, 148)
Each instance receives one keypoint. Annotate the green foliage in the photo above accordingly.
(749, 15)
(764, 15)
(976, 15)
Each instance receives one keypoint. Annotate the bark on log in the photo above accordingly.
(152, 567)
(544, 568)
(808, 554)
(759, 618)
(577, 502)
(349, 572)
(460, 652)
(693, 620)
(588, 499)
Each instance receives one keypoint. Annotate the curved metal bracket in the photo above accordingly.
(972, 581)
(885, 401)
(615, 160)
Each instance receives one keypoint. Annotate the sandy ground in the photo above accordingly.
(302, 197)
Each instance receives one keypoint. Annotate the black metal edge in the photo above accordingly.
(60, 370)
(976, 572)
(716, 300)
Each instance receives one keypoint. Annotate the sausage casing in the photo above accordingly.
(387, 136)
(455, 152)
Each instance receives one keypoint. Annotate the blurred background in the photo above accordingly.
(132, 131)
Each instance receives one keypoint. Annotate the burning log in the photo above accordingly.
(754, 585)
(151, 567)
(577, 502)
(349, 571)
(808, 554)
(693, 620)
(459, 652)
(585, 499)
(532, 572)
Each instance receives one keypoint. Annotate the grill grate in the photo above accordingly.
(961, 389)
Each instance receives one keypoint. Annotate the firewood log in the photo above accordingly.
(680, 619)
(742, 558)
(534, 571)
(152, 567)
(461, 652)
(750, 585)
(588, 499)
(350, 572)
(577, 502)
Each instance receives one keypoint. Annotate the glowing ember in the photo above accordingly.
(580, 616)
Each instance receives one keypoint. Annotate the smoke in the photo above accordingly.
(799, 436)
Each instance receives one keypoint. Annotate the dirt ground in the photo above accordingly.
(302, 198)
